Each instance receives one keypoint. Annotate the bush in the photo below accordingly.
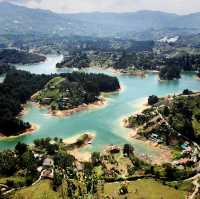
(123, 189)
(153, 99)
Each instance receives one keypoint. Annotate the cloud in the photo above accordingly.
(176, 6)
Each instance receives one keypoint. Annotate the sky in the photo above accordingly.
(70, 6)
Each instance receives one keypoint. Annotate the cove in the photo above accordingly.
(104, 121)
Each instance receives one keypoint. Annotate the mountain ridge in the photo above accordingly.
(20, 19)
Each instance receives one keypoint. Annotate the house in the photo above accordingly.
(46, 100)
(47, 173)
(39, 169)
(113, 149)
(48, 162)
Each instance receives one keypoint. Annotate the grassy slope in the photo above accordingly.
(146, 189)
(42, 190)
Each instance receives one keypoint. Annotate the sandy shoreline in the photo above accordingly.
(32, 129)
(98, 104)
(82, 156)
(73, 139)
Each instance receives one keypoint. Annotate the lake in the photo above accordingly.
(104, 121)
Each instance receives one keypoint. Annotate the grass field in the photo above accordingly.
(144, 189)
(140, 189)
(42, 190)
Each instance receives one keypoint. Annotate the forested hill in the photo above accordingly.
(147, 24)
(14, 56)
(19, 86)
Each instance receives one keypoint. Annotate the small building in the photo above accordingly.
(48, 162)
(39, 169)
(113, 149)
(46, 100)
(48, 173)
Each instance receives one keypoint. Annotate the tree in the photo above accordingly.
(51, 148)
(170, 72)
(128, 150)
(64, 160)
(7, 163)
(21, 148)
(153, 99)
(187, 92)
(123, 189)
(96, 158)
(57, 179)
(166, 111)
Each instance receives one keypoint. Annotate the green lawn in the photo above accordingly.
(42, 190)
(146, 189)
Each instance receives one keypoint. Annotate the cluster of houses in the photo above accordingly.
(156, 138)
(192, 155)
(47, 168)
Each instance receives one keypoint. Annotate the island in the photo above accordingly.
(58, 92)
(69, 93)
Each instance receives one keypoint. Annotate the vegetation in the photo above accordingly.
(180, 116)
(71, 90)
(170, 72)
(5, 68)
(19, 86)
(153, 100)
(16, 89)
(75, 60)
(73, 179)
(13, 56)
(145, 188)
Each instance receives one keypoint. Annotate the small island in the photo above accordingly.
(66, 94)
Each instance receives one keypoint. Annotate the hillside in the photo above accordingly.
(171, 119)
(13, 56)
(17, 19)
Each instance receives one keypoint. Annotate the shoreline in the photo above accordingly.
(165, 152)
(32, 129)
(83, 107)
(77, 152)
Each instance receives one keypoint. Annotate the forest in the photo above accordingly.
(5, 68)
(14, 56)
(16, 89)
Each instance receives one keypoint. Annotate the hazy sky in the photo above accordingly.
(176, 6)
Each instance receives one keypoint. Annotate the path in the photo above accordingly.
(195, 182)
(15, 189)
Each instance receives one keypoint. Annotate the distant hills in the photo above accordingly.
(137, 25)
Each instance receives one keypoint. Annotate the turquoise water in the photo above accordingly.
(104, 121)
